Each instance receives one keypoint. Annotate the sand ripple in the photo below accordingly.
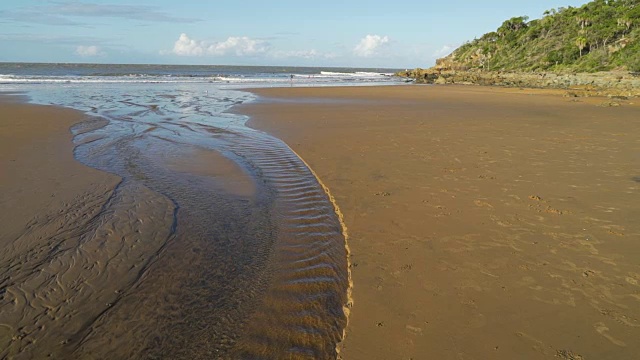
(301, 314)
(218, 243)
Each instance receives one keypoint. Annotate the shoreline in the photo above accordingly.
(467, 234)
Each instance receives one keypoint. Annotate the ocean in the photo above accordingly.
(218, 241)
(37, 73)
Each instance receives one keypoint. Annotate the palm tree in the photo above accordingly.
(625, 22)
(583, 21)
(581, 43)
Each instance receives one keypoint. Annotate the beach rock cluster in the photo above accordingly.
(613, 83)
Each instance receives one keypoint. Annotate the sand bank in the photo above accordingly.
(484, 223)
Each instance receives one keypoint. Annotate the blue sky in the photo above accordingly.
(395, 34)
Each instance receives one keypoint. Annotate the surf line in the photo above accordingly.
(346, 308)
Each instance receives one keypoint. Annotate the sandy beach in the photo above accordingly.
(46, 197)
(484, 223)
(188, 255)
(39, 173)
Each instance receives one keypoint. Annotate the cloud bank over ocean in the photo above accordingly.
(243, 46)
(370, 45)
(235, 45)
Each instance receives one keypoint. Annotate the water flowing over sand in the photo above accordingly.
(217, 242)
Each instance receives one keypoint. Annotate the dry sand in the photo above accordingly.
(484, 223)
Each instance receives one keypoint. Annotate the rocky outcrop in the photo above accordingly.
(620, 83)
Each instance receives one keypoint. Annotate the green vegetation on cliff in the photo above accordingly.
(598, 36)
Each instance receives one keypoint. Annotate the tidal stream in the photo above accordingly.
(219, 242)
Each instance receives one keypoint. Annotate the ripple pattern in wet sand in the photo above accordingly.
(174, 263)
(302, 312)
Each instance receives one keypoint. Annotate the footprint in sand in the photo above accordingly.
(551, 210)
(481, 203)
(414, 329)
(568, 355)
(499, 222)
(620, 318)
(603, 330)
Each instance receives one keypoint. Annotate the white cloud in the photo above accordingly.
(444, 51)
(187, 47)
(370, 45)
(89, 51)
(133, 12)
(239, 46)
(67, 13)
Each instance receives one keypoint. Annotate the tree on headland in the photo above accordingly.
(512, 25)
(599, 35)
(583, 21)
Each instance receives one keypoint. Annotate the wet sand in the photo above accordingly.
(44, 195)
(483, 223)
(193, 252)
(39, 173)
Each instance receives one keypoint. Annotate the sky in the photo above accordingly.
(356, 33)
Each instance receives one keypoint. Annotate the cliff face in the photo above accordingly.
(602, 35)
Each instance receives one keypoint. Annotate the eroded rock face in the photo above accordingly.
(587, 84)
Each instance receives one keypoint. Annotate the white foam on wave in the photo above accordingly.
(357, 74)
(125, 79)
(322, 78)
(232, 79)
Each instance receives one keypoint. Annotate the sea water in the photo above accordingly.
(199, 269)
